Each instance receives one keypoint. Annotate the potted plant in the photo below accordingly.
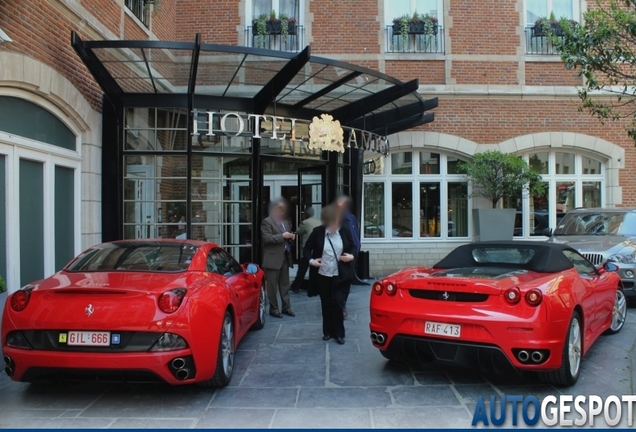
(414, 24)
(546, 26)
(271, 25)
(494, 175)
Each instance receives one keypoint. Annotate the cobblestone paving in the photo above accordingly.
(287, 377)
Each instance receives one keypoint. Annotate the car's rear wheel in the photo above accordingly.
(262, 307)
(225, 355)
(570, 368)
(619, 313)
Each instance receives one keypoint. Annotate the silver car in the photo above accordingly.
(603, 235)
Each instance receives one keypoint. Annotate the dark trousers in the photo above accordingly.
(331, 301)
(303, 266)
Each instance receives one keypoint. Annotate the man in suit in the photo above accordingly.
(304, 229)
(277, 243)
(348, 220)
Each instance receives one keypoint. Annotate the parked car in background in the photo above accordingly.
(135, 310)
(603, 235)
(540, 222)
(532, 306)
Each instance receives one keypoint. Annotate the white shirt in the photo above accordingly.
(329, 260)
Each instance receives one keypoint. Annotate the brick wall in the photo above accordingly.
(216, 20)
(550, 74)
(430, 72)
(345, 27)
(484, 27)
(482, 72)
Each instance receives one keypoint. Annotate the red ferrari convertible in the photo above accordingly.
(135, 310)
(533, 306)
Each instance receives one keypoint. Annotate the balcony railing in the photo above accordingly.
(539, 44)
(140, 9)
(292, 42)
(415, 43)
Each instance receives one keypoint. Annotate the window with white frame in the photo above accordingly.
(291, 8)
(536, 9)
(414, 194)
(573, 180)
(275, 24)
(397, 8)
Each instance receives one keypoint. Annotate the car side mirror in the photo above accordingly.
(251, 268)
(609, 266)
(547, 232)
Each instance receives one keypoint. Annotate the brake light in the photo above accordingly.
(170, 301)
(20, 299)
(377, 288)
(391, 289)
(512, 295)
(534, 297)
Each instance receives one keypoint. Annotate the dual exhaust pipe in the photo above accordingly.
(182, 373)
(527, 356)
(9, 365)
(378, 338)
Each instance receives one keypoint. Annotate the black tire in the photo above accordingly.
(570, 368)
(225, 355)
(619, 313)
(262, 309)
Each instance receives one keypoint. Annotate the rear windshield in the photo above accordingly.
(502, 255)
(131, 256)
(598, 223)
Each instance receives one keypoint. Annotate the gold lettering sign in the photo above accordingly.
(326, 134)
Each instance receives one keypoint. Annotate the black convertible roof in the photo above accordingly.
(547, 258)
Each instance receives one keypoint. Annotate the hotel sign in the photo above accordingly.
(323, 133)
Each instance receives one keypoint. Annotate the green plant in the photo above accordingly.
(404, 23)
(272, 15)
(260, 23)
(3, 285)
(284, 26)
(495, 175)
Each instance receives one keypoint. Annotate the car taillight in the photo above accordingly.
(512, 295)
(20, 299)
(534, 297)
(170, 301)
(391, 289)
(377, 288)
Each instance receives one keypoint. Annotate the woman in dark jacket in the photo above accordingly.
(330, 251)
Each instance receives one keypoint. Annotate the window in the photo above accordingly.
(222, 263)
(402, 163)
(572, 181)
(583, 266)
(373, 210)
(275, 24)
(397, 8)
(428, 198)
(536, 9)
(537, 40)
(140, 8)
(423, 38)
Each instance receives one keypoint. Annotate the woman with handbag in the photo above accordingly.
(330, 251)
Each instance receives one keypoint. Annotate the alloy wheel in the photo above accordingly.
(574, 347)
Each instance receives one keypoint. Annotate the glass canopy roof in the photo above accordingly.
(253, 80)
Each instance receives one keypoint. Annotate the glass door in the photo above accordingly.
(311, 193)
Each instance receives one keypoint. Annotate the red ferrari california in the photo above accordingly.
(135, 310)
(530, 305)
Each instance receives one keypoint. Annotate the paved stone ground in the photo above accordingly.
(287, 377)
